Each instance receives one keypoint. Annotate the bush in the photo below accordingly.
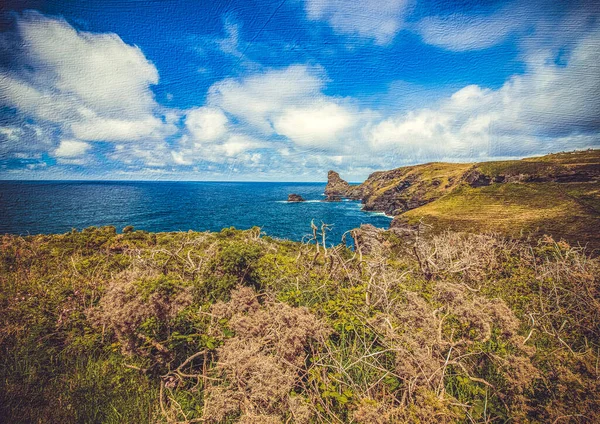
(235, 327)
(236, 263)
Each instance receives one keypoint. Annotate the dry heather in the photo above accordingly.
(266, 359)
(127, 304)
(237, 327)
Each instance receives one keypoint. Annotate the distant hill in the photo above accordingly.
(556, 194)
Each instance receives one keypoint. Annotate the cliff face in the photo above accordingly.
(399, 190)
(336, 186)
(558, 194)
(402, 189)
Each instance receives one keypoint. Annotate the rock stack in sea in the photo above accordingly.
(336, 187)
(295, 198)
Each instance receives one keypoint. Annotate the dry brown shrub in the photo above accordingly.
(471, 256)
(370, 411)
(429, 408)
(221, 402)
(569, 296)
(554, 289)
(264, 361)
(260, 419)
(243, 300)
(427, 340)
(122, 309)
(301, 409)
(574, 394)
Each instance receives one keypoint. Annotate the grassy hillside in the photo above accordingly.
(557, 194)
(405, 188)
(567, 211)
(100, 327)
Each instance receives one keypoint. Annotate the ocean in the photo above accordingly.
(46, 207)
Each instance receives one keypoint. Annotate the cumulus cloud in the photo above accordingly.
(210, 138)
(256, 98)
(289, 103)
(314, 125)
(379, 20)
(461, 32)
(93, 86)
(550, 107)
(239, 143)
(71, 149)
(236, 146)
(206, 123)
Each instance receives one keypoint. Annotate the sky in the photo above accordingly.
(284, 90)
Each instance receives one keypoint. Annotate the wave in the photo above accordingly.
(377, 213)
(305, 201)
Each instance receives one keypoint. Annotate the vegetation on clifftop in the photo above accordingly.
(235, 326)
(557, 194)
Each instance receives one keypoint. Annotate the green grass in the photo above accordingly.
(561, 210)
(514, 203)
(465, 326)
(97, 326)
(516, 167)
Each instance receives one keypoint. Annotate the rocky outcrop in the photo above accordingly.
(403, 189)
(575, 167)
(396, 191)
(336, 186)
(295, 198)
(477, 179)
(368, 239)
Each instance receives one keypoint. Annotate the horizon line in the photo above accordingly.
(168, 181)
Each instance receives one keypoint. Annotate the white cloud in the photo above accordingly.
(230, 43)
(379, 20)
(256, 98)
(21, 139)
(314, 125)
(94, 86)
(550, 107)
(238, 143)
(11, 134)
(106, 75)
(72, 149)
(154, 153)
(460, 32)
(538, 24)
(235, 147)
(181, 158)
(101, 129)
(72, 161)
(289, 102)
(206, 123)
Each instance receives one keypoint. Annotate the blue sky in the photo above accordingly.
(285, 90)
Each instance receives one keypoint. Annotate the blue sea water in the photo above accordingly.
(46, 207)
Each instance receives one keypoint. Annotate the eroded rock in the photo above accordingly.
(295, 198)
(336, 186)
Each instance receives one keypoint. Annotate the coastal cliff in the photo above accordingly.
(558, 194)
(202, 324)
(336, 186)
